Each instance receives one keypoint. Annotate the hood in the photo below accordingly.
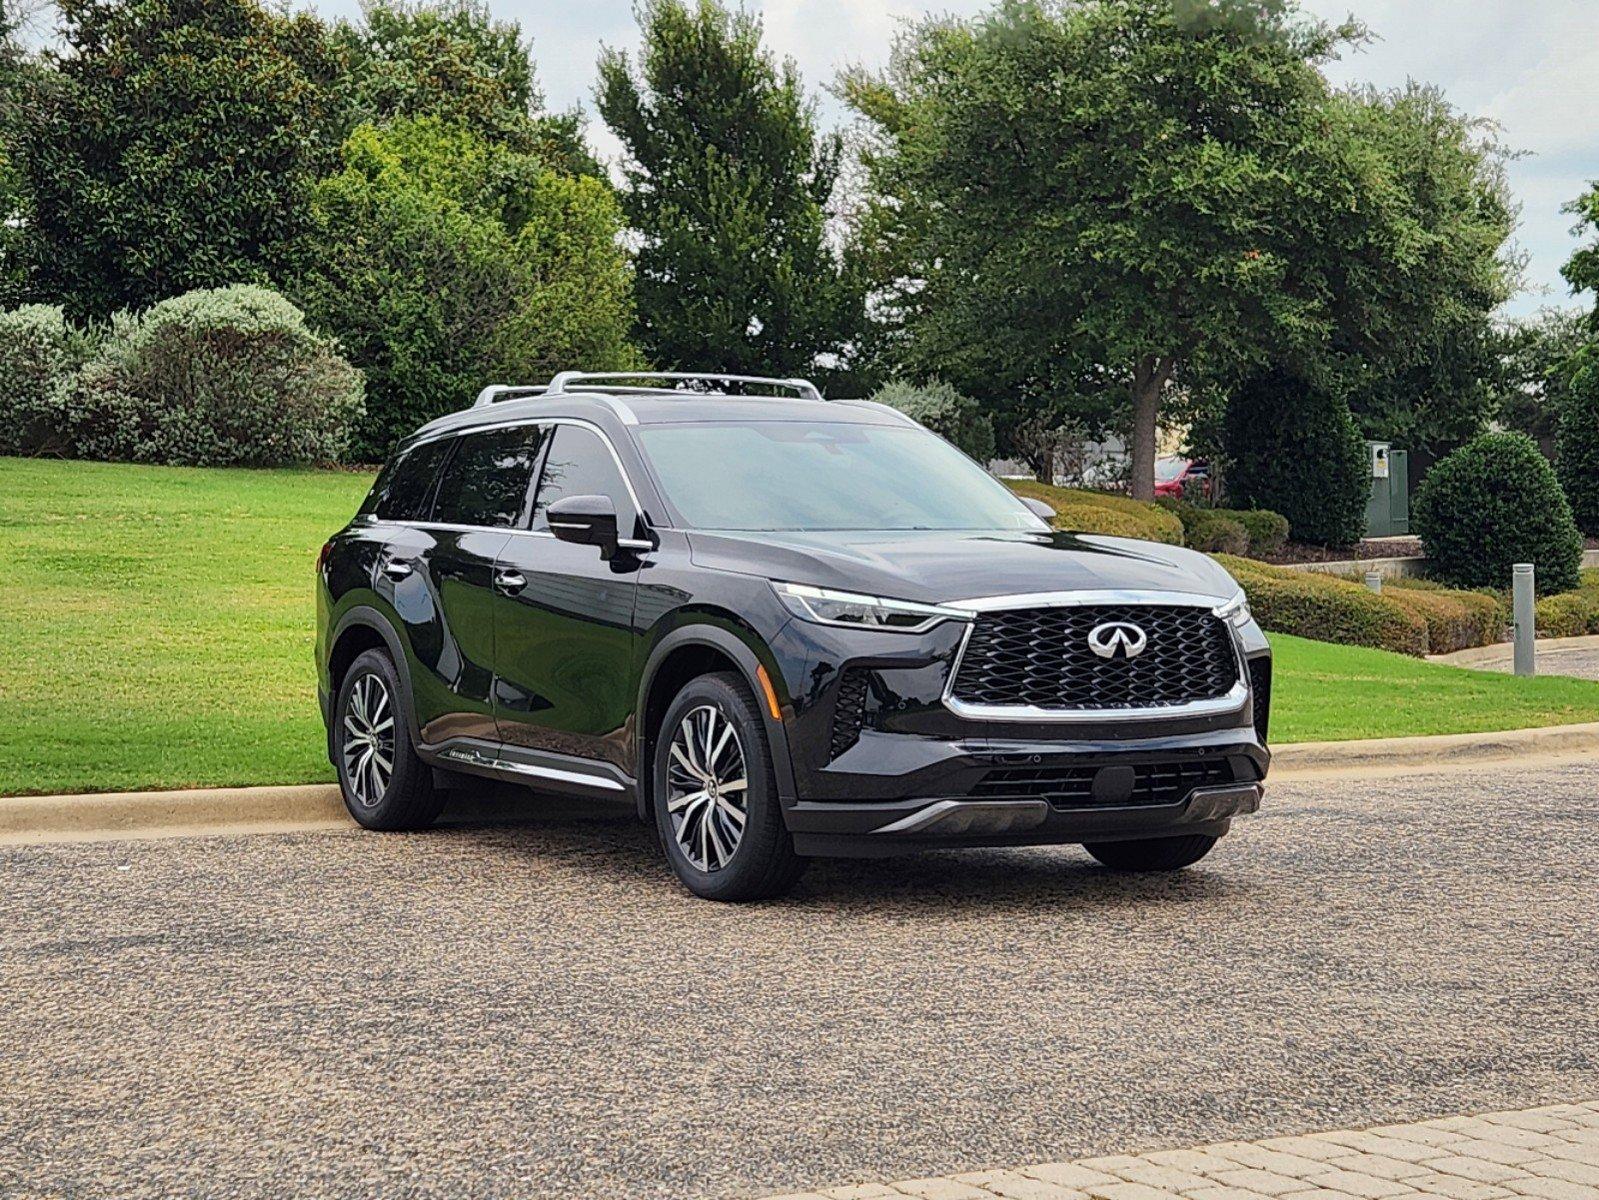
(942, 566)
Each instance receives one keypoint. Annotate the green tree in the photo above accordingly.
(728, 188)
(1578, 442)
(1536, 359)
(1414, 347)
(12, 202)
(1293, 448)
(1582, 269)
(450, 59)
(173, 145)
(450, 262)
(1074, 194)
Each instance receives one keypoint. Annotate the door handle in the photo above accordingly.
(509, 582)
(396, 569)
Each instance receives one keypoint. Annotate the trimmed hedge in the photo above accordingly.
(1100, 512)
(1493, 503)
(1268, 531)
(1455, 620)
(1328, 609)
(1571, 614)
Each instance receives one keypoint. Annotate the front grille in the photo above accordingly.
(1040, 657)
(1260, 685)
(849, 710)
(1073, 786)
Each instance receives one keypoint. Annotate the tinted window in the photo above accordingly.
(825, 475)
(487, 478)
(405, 488)
(580, 464)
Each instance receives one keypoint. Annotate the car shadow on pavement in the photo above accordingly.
(617, 850)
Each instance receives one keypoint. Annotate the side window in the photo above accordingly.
(579, 463)
(487, 478)
(404, 490)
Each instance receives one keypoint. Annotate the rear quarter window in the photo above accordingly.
(404, 488)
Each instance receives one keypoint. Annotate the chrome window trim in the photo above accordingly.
(636, 544)
(1234, 701)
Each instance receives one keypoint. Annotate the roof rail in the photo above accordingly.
(496, 392)
(558, 386)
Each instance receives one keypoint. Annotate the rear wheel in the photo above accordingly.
(384, 784)
(715, 795)
(1153, 854)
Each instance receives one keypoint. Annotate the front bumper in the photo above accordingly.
(1037, 795)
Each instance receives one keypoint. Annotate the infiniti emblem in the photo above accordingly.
(1117, 639)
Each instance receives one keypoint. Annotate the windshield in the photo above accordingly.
(1168, 469)
(803, 475)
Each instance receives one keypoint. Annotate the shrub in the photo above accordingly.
(1295, 450)
(39, 350)
(1578, 443)
(1455, 620)
(1208, 529)
(957, 419)
(1098, 512)
(1312, 605)
(229, 376)
(1573, 613)
(1493, 503)
(1268, 531)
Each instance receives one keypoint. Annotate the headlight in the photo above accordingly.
(862, 612)
(1235, 611)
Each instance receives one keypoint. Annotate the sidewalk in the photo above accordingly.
(1542, 1153)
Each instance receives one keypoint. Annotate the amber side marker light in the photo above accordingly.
(771, 696)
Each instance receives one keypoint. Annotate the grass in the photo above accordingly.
(161, 624)
(160, 631)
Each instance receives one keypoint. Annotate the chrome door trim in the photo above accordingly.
(1234, 701)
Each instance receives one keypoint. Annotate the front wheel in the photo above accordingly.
(715, 795)
(1152, 854)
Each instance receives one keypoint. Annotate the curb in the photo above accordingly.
(1504, 650)
(101, 816)
(1441, 750)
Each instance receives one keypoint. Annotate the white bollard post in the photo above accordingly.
(1374, 581)
(1525, 630)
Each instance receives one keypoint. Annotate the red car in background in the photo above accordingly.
(1180, 477)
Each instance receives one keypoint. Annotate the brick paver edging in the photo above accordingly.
(1547, 1153)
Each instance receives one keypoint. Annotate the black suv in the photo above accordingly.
(783, 627)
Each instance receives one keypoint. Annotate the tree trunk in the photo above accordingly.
(1149, 376)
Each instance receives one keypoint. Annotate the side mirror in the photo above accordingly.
(586, 521)
(1038, 508)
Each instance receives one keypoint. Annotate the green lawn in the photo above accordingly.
(161, 625)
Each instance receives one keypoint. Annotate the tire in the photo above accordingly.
(371, 699)
(760, 863)
(1153, 854)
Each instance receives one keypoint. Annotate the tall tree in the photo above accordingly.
(728, 190)
(447, 261)
(452, 60)
(173, 146)
(13, 82)
(1582, 270)
(1157, 194)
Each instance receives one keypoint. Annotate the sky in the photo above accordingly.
(1530, 65)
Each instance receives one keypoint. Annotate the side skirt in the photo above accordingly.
(531, 768)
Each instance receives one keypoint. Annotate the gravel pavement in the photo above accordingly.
(539, 1011)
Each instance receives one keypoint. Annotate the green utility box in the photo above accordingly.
(1388, 509)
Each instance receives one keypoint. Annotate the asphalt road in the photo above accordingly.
(540, 1011)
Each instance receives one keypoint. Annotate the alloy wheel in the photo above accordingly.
(369, 740)
(707, 788)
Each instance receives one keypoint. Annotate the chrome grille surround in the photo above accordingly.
(1232, 701)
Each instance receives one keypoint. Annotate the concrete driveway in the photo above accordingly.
(540, 1011)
